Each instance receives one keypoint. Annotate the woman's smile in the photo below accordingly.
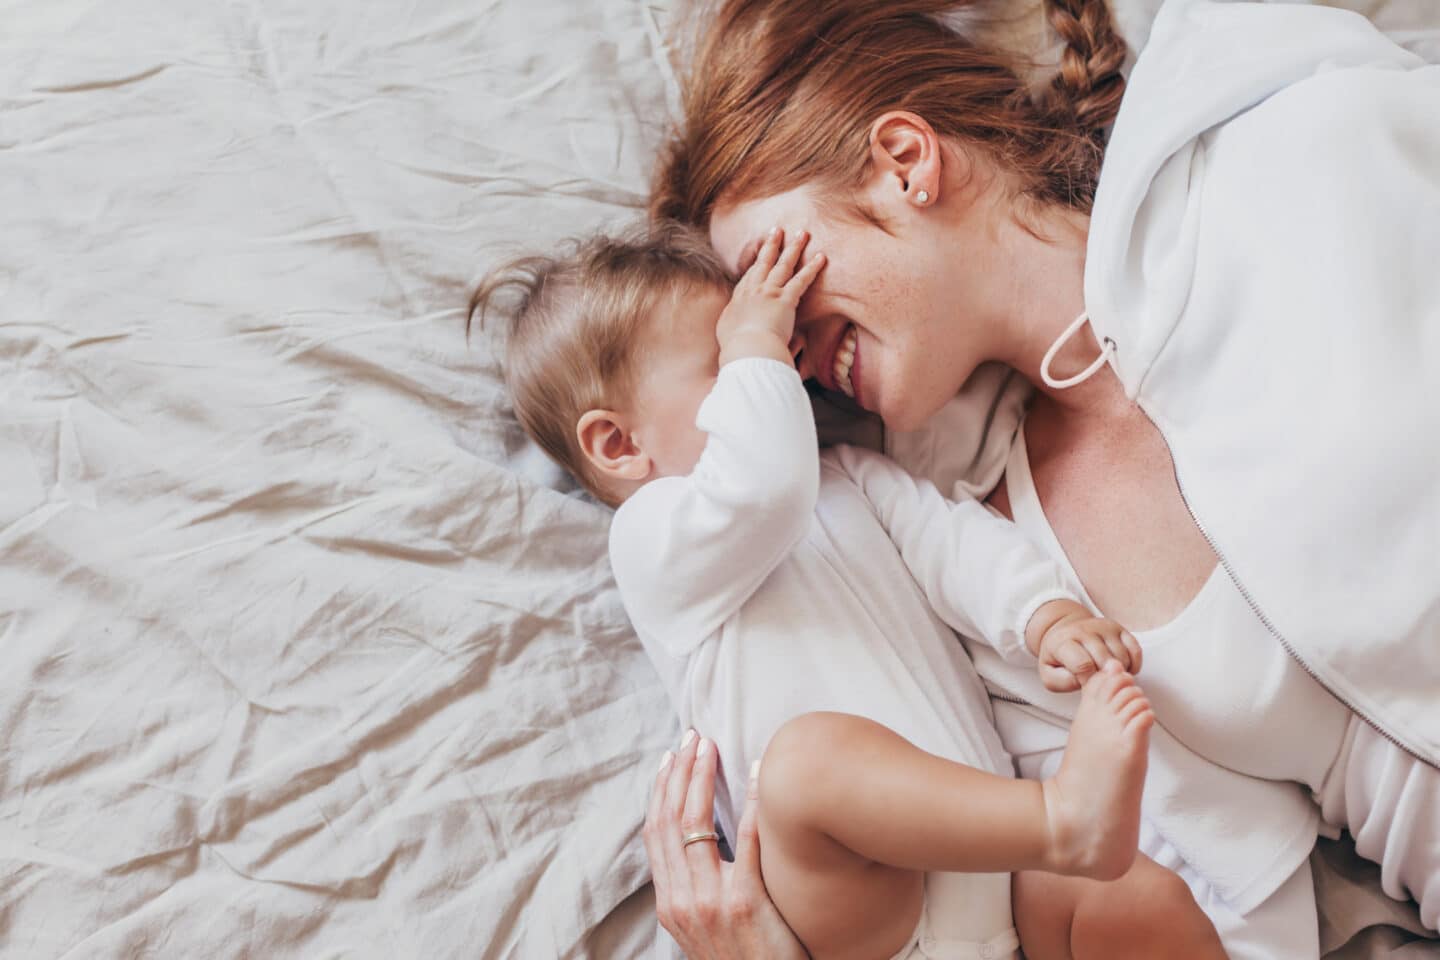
(845, 361)
(837, 367)
(833, 361)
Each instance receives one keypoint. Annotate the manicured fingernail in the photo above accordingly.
(755, 771)
(689, 735)
(703, 749)
(774, 232)
(665, 760)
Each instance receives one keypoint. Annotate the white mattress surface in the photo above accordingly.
(303, 655)
(306, 651)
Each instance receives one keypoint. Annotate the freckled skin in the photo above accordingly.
(939, 292)
(908, 348)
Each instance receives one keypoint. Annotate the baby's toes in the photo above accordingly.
(1137, 717)
(1126, 692)
(1113, 680)
(1134, 706)
(1099, 687)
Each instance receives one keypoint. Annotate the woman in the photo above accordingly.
(1236, 453)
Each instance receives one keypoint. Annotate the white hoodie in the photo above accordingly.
(1264, 253)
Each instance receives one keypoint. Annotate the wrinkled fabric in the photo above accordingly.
(1234, 301)
(304, 650)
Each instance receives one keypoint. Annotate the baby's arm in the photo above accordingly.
(985, 578)
(689, 551)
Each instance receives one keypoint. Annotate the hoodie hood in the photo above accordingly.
(1205, 63)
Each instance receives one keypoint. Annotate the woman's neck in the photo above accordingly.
(1043, 292)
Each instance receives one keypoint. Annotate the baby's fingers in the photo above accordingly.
(1127, 639)
(1099, 651)
(765, 257)
(785, 263)
(1077, 660)
(798, 284)
(1118, 651)
(1057, 679)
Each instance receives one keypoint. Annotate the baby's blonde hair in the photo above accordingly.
(580, 323)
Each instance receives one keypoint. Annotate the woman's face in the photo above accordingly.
(896, 286)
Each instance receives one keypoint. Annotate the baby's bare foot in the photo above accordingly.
(1093, 803)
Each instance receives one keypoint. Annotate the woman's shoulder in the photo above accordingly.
(1207, 62)
(1290, 92)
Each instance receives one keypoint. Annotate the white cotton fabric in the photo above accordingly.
(1283, 925)
(765, 587)
(1263, 253)
(968, 440)
(1239, 729)
(307, 651)
(950, 906)
(1226, 694)
(1390, 803)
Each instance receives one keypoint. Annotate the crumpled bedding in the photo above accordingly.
(306, 650)
(306, 653)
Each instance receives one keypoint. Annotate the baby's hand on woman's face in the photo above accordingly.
(760, 318)
(1075, 648)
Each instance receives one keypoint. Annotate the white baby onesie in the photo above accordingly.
(763, 586)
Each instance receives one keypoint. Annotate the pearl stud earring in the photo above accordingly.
(922, 197)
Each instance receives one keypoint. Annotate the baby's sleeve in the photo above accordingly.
(689, 551)
(979, 571)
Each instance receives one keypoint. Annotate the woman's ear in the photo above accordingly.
(610, 447)
(906, 156)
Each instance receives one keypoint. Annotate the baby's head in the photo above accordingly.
(611, 351)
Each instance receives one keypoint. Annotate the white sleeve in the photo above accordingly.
(689, 551)
(979, 571)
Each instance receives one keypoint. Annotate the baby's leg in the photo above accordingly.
(851, 815)
(1149, 912)
(839, 902)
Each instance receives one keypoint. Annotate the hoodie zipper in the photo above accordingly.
(1000, 693)
(1260, 614)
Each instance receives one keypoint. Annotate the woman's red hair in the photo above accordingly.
(782, 93)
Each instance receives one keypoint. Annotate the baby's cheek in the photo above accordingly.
(686, 441)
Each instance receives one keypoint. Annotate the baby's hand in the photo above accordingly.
(760, 318)
(1076, 644)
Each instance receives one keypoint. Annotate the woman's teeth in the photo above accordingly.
(844, 357)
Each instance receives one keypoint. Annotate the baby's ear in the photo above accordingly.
(610, 448)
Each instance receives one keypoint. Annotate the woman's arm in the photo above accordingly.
(714, 910)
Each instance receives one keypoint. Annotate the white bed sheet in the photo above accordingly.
(306, 652)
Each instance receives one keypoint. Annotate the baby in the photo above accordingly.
(889, 814)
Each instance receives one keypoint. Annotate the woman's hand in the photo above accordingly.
(714, 910)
